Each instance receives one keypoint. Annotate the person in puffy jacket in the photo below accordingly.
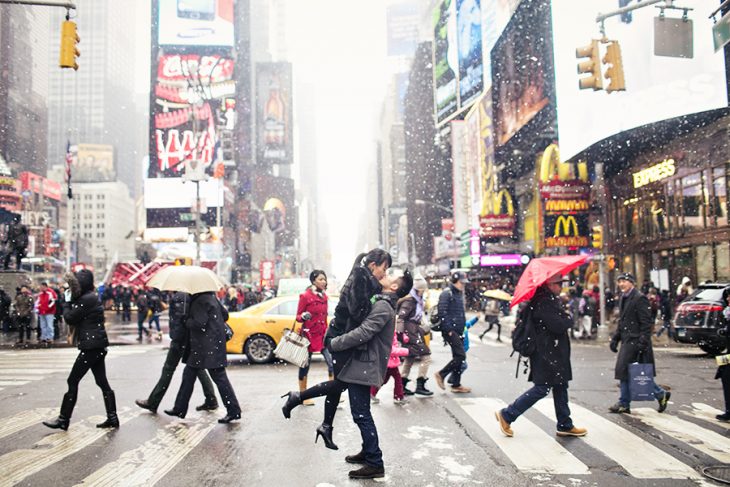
(85, 315)
(396, 352)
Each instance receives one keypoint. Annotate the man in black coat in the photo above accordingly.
(453, 319)
(723, 371)
(179, 309)
(634, 333)
(550, 364)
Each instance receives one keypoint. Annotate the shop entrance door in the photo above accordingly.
(684, 265)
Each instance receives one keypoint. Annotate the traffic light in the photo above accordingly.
(597, 236)
(615, 72)
(69, 49)
(183, 261)
(592, 66)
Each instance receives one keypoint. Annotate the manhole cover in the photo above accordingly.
(718, 474)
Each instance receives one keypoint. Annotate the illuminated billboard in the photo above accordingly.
(445, 61)
(469, 34)
(195, 23)
(94, 163)
(657, 87)
(274, 113)
(169, 202)
(495, 17)
(193, 112)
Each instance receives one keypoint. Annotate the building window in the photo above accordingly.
(694, 202)
(722, 251)
(719, 194)
(704, 263)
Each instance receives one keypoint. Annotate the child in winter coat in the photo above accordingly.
(396, 352)
(465, 337)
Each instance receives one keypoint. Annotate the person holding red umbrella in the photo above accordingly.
(550, 367)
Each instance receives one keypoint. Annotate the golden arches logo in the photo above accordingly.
(499, 198)
(566, 222)
(550, 165)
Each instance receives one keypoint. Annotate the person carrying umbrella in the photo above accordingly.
(550, 368)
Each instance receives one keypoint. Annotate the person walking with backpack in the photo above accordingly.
(142, 310)
(546, 324)
(453, 320)
(634, 334)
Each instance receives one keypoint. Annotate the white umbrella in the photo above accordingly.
(498, 294)
(186, 278)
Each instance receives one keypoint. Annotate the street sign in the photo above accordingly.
(721, 32)
(187, 217)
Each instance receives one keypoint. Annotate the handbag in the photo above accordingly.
(229, 332)
(641, 382)
(293, 348)
(722, 359)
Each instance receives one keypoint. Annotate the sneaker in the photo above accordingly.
(374, 400)
(461, 389)
(619, 408)
(503, 424)
(400, 402)
(573, 432)
(439, 380)
(724, 417)
(367, 472)
(664, 401)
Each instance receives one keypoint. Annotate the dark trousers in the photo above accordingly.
(360, 408)
(18, 257)
(724, 374)
(140, 324)
(537, 392)
(225, 390)
(333, 389)
(23, 327)
(304, 371)
(88, 360)
(126, 313)
(168, 370)
(458, 356)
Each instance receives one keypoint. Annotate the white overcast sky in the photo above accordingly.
(339, 46)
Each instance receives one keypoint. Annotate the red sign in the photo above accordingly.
(35, 183)
(266, 269)
(566, 190)
(496, 226)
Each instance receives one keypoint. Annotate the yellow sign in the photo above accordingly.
(551, 166)
(655, 173)
(499, 199)
(563, 236)
(566, 206)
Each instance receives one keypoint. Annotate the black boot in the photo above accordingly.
(356, 458)
(67, 407)
(325, 431)
(405, 387)
(421, 387)
(293, 400)
(110, 403)
(367, 472)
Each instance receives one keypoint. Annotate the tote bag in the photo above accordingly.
(293, 348)
(641, 381)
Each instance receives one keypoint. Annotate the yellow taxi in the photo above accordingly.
(258, 329)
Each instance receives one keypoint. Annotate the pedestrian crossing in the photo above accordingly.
(22, 367)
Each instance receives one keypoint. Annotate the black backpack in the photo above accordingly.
(435, 319)
(524, 340)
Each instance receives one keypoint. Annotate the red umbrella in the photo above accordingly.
(539, 270)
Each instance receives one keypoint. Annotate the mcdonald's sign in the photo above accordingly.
(562, 180)
(566, 231)
(502, 222)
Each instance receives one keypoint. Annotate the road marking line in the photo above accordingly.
(150, 462)
(704, 412)
(474, 340)
(6, 383)
(531, 450)
(638, 457)
(26, 378)
(29, 371)
(20, 421)
(19, 464)
(704, 440)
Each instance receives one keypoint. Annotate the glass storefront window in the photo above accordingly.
(693, 202)
(719, 191)
(705, 263)
(722, 250)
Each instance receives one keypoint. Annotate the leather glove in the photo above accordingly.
(642, 344)
(613, 345)
(306, 316)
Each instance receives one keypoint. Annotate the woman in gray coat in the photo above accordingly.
(370, 343)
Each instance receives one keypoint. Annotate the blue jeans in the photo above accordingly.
(156, 318)
(360, 408)
(46, 324)
(625, 398)
(538, 391)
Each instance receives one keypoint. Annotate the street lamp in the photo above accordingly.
(431, 203)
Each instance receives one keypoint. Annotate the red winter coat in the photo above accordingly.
(47, 302)
(315, 328)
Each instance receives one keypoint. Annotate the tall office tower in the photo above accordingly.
(95, 105)
(24, 33)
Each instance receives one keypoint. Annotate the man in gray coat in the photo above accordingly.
(370, 344)
(634, 333)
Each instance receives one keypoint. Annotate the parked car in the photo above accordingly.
(697, 318)
(258, 328)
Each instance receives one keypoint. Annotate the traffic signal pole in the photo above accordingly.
(601, 185)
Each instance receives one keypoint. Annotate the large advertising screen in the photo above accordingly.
(193, 112)
(274, 197)
(495, 17)
(403, 19)
(170, 202)
(274, 142)
(94, 163)
(195, 23)
(445, 61)
(657, 87)
(522, 78)
(469, 33)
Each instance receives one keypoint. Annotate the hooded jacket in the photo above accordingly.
(85, 311)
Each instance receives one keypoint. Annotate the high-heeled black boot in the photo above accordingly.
(64, 417)
(110, 403)
(325, 431)
(293, 400)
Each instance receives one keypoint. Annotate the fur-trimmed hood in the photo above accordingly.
(73, 285)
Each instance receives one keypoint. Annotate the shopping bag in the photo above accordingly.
(722, 359)
(641, 381)
(293, 348)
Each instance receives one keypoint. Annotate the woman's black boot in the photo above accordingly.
(293, 400)
(325, 431)
(64, 417)
(110, 403)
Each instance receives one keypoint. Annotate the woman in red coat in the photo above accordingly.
(312, 314)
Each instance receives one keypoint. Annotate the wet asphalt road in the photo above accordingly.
(443, 440)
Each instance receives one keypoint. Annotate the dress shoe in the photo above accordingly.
(664, 401)
(724, 417)
(357, 458)
(145, 404)
(58, 423)
(461, 389)
(439, 380)
(503, 424)
(619, 408)
(573, 432)
(208, 406)
(325, 431)
(367, 472)
(172, 412)
(229, 417)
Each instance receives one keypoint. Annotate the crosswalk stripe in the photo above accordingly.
(16, 377)
(703, 411)
(29, 371)
(531, 450)
(20, 464)
(474, 340)
(637, 456)
(704, 440)
(6, 383)
(22, 420)
(151, 461)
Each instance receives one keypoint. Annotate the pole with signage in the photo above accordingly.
(601, 186)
